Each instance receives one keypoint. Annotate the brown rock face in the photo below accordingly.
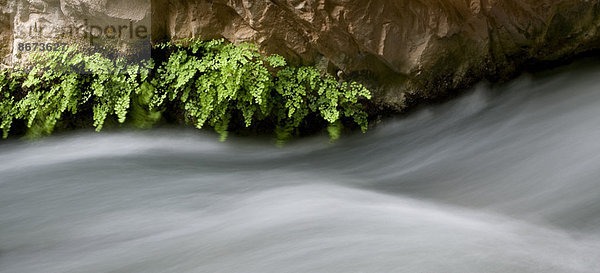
(406, 49)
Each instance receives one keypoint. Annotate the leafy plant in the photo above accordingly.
(61, 82)
(210, 82)
(213, 80)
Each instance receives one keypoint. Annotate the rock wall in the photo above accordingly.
(5, 31)
(100, 25)
(406, 50)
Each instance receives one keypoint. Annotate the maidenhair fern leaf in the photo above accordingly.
(209, 82)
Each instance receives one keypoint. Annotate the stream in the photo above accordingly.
(505, 178)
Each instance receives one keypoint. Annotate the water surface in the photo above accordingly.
(503, 179)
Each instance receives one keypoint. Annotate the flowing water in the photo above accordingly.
(503, 179)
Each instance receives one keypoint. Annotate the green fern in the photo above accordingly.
(210, 82)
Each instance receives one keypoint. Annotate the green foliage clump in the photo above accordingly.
(210, 82)
(305, 91)
(8, 86)
(213, 80)
(60, 82)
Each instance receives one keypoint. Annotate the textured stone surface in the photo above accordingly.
(5, 31)
(406, 50)
(71, 21)
(412, 49)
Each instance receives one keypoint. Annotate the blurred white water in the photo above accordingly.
(504, 179)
